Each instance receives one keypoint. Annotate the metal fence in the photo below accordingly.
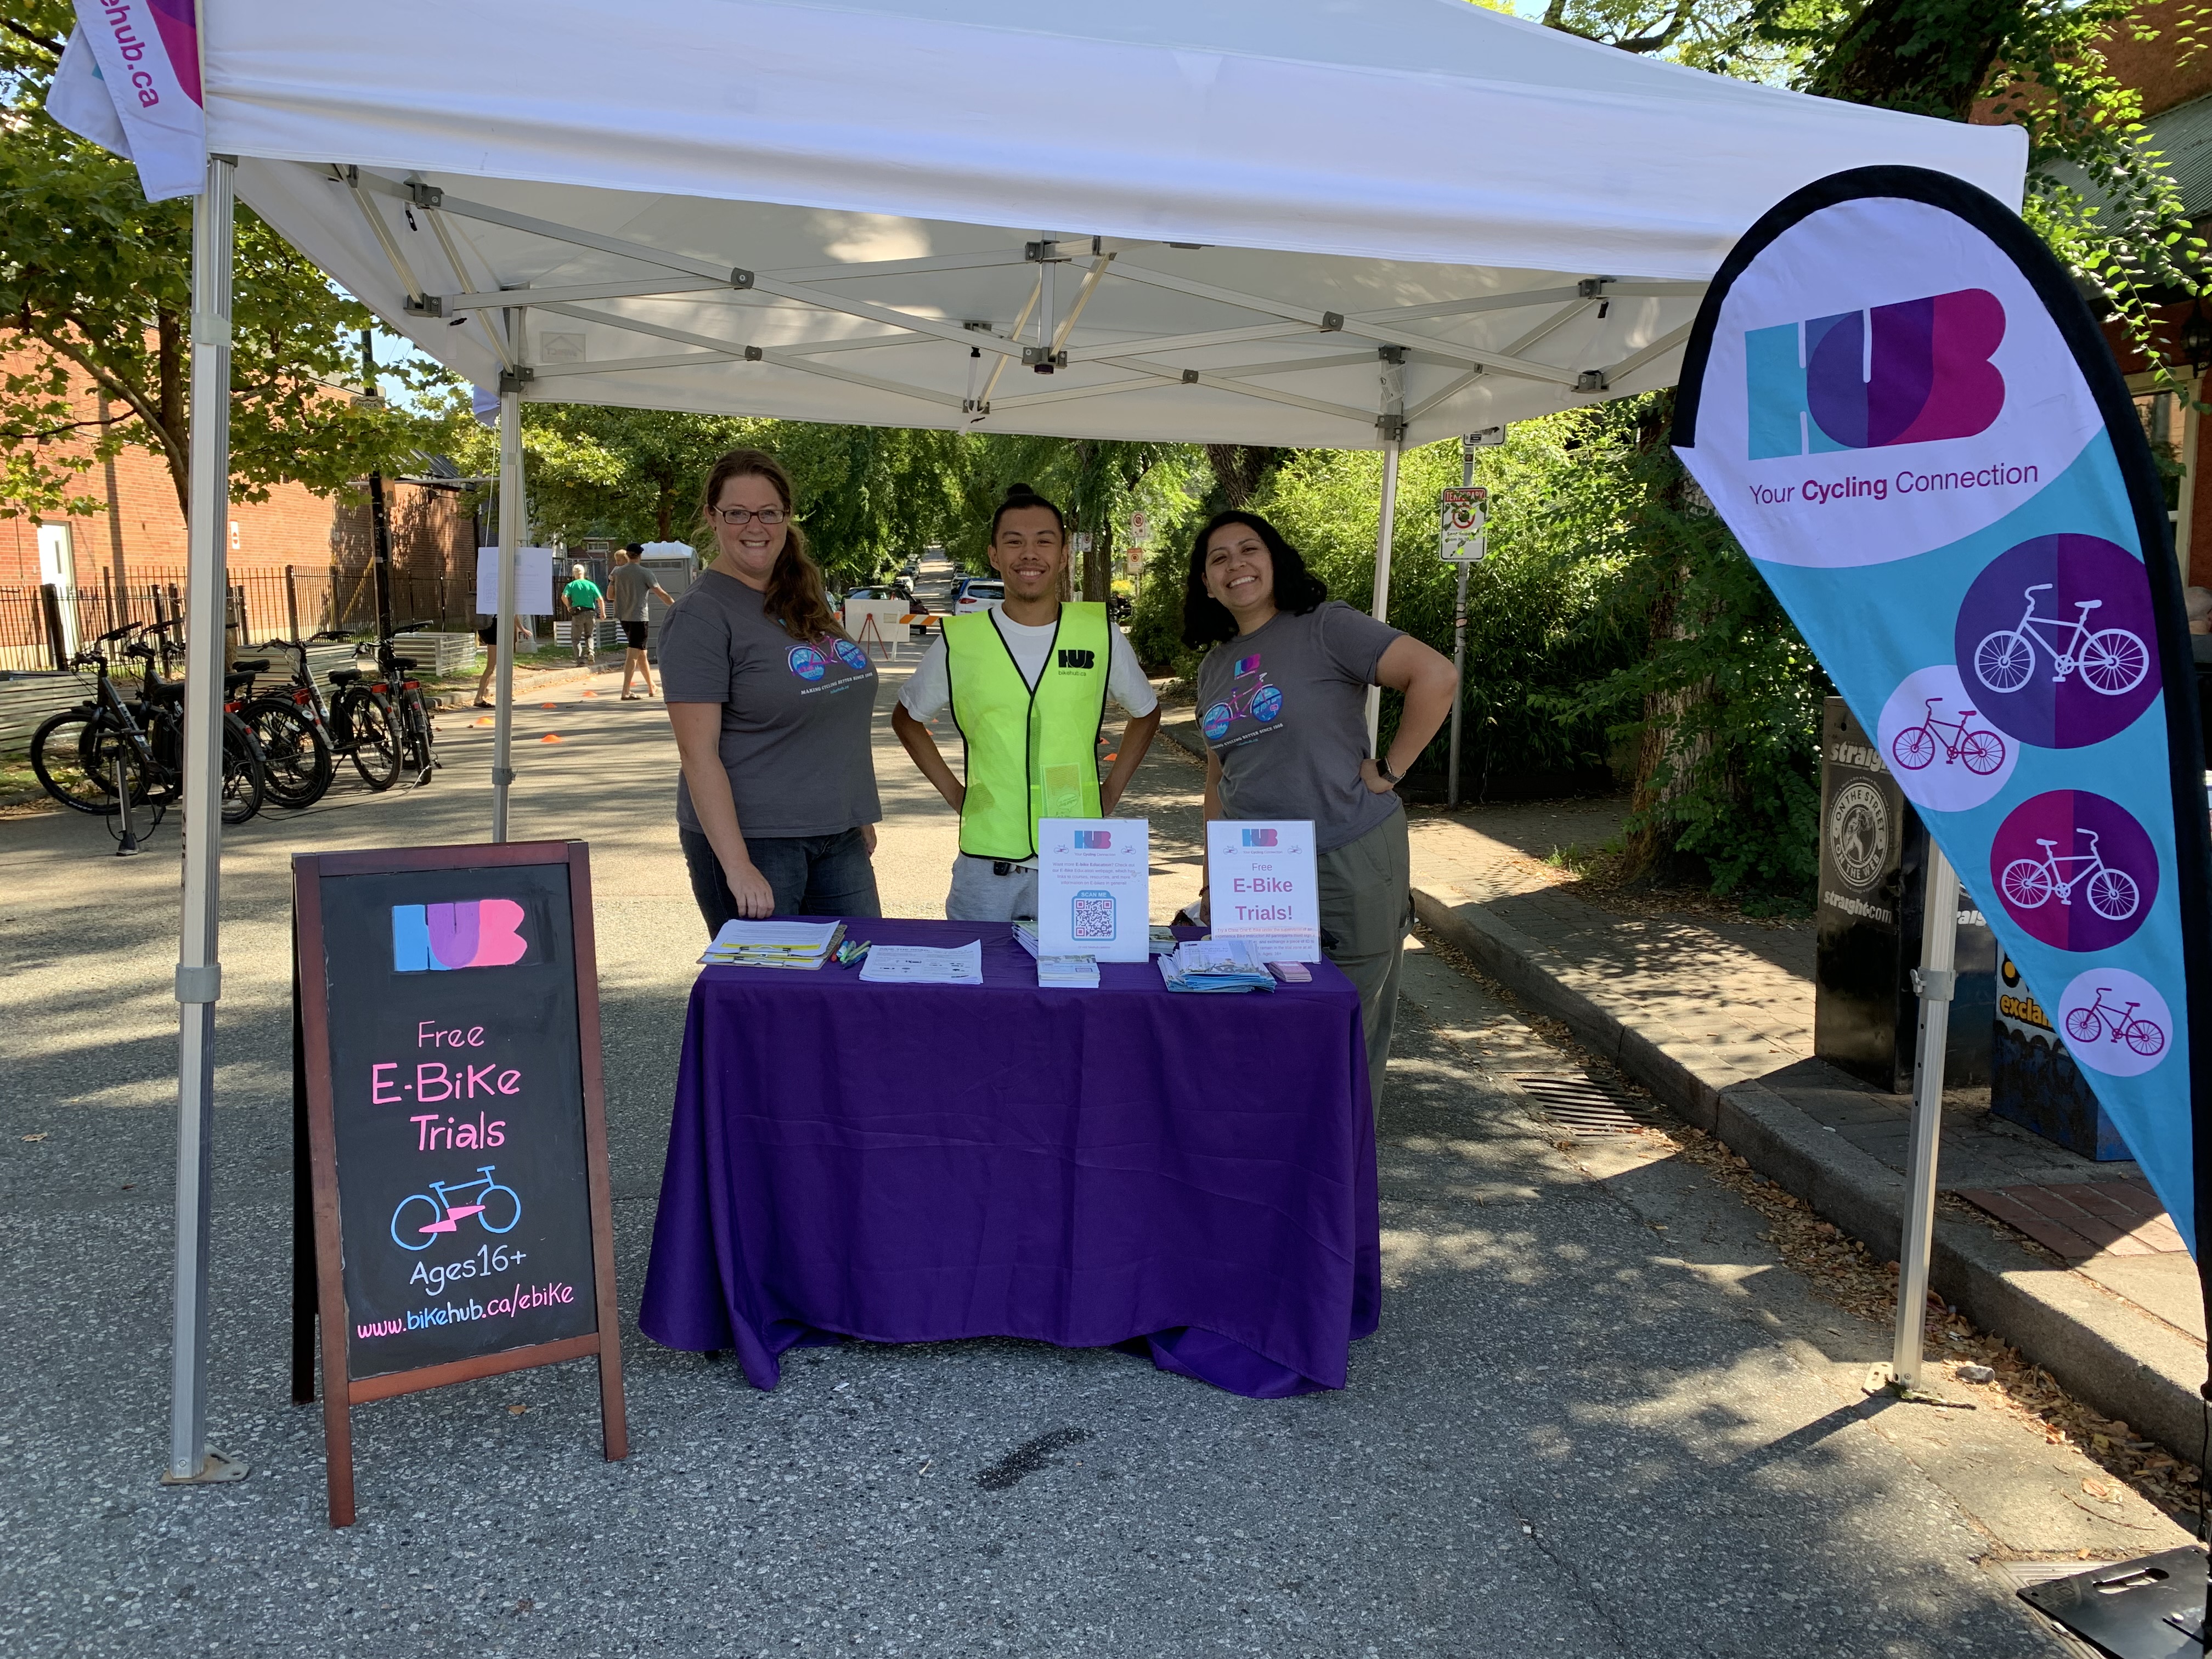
(40, 627)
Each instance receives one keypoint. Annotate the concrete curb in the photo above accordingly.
(2100, 1348)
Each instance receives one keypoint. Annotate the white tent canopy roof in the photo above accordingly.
(806, 209)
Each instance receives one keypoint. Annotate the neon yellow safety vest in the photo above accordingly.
(1032, 754)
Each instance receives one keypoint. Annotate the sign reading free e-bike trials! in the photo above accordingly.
(1898, 403)
(450, 1035)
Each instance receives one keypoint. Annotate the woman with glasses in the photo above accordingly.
(772, 705)
(1282, 706)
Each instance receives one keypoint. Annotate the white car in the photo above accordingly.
(978, 596)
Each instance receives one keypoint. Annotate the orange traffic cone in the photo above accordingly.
(550, 736)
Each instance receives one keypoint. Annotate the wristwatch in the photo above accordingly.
(1388, 776)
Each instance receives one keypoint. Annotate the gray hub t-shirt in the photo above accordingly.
(796, 719)
(1284, 707)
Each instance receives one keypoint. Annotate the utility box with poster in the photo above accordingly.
(2034, 1082)
(1874, 863)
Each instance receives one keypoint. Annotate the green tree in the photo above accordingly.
(95, 287)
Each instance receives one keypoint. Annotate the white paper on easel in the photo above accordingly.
(533, 581)
(1094, 888)
(1261, 886)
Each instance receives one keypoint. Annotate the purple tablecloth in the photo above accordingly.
(912, 1163)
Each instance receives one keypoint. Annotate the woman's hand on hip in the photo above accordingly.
(868, 838)
(1371, 775)
(754, 898)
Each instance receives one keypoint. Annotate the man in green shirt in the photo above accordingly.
(586, 605)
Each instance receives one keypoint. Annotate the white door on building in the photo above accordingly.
(58, 567)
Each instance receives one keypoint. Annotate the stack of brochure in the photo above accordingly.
(1025, 936)
(743, 944)
(1208, 964)
(1163, 941)
(1081, 973)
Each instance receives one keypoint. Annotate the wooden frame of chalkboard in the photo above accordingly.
(502, 938)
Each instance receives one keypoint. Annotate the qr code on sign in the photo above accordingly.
(1093, 916)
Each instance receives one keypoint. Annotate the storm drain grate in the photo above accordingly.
(1582, 1103)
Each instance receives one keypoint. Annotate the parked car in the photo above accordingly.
(975, 593)
(887, 590)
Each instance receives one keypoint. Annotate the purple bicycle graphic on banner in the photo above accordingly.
(2089, 1024)
(1914, 748)
(2110, 660)
(2029, 884)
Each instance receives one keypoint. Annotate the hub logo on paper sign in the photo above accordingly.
(1094, 838)
(471, 933)
(1909, 373)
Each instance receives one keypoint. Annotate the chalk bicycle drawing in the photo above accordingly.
(1915, 746)
(427, 1218)
(2028, 883)
(2111, 660)
(1261, 701)
(2087, 1024)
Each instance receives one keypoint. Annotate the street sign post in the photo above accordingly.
(1461, 510)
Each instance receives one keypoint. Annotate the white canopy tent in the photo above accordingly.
(1338, 222)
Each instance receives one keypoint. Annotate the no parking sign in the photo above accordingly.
(1461, 508)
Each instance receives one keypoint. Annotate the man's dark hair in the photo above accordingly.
(1019, 495)
(636, 550)
(1206, 620)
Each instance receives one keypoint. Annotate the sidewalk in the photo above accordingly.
(2067, 1259)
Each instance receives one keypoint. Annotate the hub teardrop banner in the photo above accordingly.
(1897, 400)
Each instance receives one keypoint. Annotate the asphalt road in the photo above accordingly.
(1598, 1418)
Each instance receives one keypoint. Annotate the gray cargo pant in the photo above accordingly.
(1366, 906)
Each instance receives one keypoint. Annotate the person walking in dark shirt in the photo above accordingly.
(628, 587)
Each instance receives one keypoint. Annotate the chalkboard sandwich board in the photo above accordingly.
(453, 1217)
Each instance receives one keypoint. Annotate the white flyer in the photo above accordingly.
(533, 581)
(920, 965)
(1095, 888)
(1261, 886)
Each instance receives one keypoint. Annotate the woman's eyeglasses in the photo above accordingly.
(739, 517)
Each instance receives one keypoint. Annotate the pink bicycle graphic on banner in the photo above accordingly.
(1914, 748)
(2087, 1024)
(2028, 883)
(2111, 660)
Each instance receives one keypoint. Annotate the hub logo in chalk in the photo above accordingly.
(1910, 373)
(468, 933)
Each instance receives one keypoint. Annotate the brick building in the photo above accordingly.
(296, 554)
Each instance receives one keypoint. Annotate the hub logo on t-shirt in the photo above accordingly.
(808, 663)
(1251, 698)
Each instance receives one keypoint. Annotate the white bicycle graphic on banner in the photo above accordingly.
(2029, 884)
(2111, 660)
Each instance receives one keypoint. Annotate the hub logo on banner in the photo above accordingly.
(1901, 407)
(129, 82)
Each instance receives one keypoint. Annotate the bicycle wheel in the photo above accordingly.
(2113, 894)
(499, 1200)
(295, 757)
(1983, 752)
(245, 780)
(2083, 1025)
(74, 755)
(420, 755)
(2145, 1038)
(411, 1221)
(2026, 883)
(375, 745)
(2004, 660)
(2113, 661)
(1913, 748)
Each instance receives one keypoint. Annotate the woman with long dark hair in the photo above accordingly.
(772, 705)
(1282, 700)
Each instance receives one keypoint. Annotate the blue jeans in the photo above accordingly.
(812, 876)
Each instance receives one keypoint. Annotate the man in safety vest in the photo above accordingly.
(1027, 683)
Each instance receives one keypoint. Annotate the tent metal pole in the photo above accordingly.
(1389, 513)
(199, 970)
(1459, 639)
(1934, 980)
(510, 545)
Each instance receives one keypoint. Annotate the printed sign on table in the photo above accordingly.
(1261, 886)
(1899, 404)
(1094, 888)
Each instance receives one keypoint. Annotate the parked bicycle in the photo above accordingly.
(2089, 1024)
(287, 721)
(359, 721)
(411, 710)
(2031, 883)
(2111, 660)
(94, 757)
(420, 1220)
(1914, 748)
